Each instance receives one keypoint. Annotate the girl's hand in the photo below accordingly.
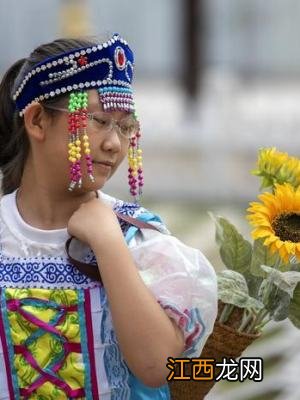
(94, 222)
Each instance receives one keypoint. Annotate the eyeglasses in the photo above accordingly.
(126, 127)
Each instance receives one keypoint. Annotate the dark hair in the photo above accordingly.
(14, 143)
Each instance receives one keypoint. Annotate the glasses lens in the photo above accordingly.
(128, 127)
(101, 121)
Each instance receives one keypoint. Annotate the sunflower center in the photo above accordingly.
(287, 227)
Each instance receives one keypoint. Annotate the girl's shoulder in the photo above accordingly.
(135, 211)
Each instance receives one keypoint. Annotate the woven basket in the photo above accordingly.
(225, 341)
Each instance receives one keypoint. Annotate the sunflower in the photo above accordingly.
(277, 219)
(276, 167)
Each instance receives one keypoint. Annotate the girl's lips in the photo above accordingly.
(106, 167)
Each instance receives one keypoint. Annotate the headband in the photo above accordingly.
(107, 67)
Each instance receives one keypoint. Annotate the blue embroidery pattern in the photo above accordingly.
(115, 367)
(126, 209)
(35, 272)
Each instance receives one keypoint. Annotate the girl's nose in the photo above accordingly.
(111, 141)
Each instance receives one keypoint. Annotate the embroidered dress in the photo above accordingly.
(57, 339)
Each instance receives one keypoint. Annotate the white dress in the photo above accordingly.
(57, 339)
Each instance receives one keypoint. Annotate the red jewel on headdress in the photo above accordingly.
(120, 58)
(82, 60)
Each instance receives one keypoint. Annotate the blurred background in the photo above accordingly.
(215, 81)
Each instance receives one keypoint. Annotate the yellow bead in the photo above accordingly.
(85, 137)
(78, 142)
(139, 158)
(87, 151)
(86, 144)
(78, 156)
(70, 145)
(134, 173)
(78, 149)
(140, 165)
(139, 151)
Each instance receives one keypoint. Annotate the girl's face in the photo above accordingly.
(106, 147)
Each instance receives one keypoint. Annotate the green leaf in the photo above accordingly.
(276, 301)
(233, 289)
(286, 281)
(235, 251)
(253, 283)
(294, 309)
(261, 256)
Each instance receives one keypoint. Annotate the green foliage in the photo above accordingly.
(294, 309)
(233, 289)
(255, 279)
(235, 251)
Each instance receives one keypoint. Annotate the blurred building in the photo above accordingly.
(247, 69)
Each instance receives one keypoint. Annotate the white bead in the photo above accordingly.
(52, 94)
(77, 54)
(105, 45)
(89, 50)
(38, 69)
(57, 91)
(75, 86)
(63, 89)
(54, 63)
(69, 88)
(60, 61)
(82, 52)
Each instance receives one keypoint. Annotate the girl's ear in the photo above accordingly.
(36, 121)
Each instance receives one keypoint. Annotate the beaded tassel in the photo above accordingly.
(135, 170)
(78, 120)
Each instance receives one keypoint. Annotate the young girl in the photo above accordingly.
(67, 122)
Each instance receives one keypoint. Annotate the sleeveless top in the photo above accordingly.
(57, 339)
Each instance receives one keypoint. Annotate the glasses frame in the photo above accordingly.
(91, 117)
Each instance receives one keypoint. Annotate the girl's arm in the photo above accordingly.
(146, 335)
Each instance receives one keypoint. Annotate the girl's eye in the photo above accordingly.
(102, 122)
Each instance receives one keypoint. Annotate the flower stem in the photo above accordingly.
(257, 320)
(227, 310)
(245, 321)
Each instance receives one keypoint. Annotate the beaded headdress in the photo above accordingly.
(107, 67)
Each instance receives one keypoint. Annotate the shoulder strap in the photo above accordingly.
(92, 270)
